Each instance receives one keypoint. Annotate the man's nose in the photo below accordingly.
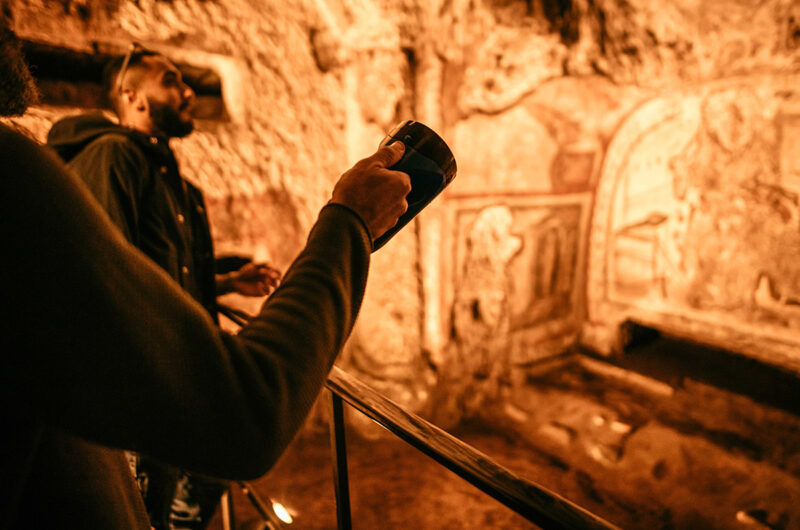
(187, 92)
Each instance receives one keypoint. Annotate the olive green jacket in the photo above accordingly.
(135, 178)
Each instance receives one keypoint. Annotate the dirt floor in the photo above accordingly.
(643, 452)
(391, 485)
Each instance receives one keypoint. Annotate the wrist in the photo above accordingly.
(356, 214)
(224, 283)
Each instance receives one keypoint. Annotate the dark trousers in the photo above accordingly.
(176, 499)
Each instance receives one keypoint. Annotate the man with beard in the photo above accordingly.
(132, 171)
(103, 352)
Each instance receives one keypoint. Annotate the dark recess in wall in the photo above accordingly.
(673, 359)
(562, 17)
(71, 78)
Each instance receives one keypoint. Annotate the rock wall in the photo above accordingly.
(548, 105)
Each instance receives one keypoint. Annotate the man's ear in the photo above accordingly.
(134, 99)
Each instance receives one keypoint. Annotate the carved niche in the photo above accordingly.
(696, 226)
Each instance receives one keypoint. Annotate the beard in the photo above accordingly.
(17, 88)
(168, 120)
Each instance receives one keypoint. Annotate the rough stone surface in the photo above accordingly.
(539, 100)
(622, 448)
(700, 457)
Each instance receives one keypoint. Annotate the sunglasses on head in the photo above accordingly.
(134, 48)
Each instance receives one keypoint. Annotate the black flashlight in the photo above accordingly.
(428, 162)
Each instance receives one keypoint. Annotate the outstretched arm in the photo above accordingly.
(106, 346)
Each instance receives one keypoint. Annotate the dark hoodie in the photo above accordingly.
(98, 346)
(135, 178)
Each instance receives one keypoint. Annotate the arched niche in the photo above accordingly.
(696, 222)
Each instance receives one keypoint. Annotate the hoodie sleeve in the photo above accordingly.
(104, 345)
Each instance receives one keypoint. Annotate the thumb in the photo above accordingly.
(389, 155)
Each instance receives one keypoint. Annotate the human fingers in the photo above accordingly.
(385, 156)
(377, 194)
(271, 281)
(269, 274)
(389, 200)
(268, 269)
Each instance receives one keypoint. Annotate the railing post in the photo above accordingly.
(339, 449)
(532, 501)
(228, 521)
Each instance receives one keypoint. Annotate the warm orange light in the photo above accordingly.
(282, 513)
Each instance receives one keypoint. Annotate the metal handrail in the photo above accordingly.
(532, 501)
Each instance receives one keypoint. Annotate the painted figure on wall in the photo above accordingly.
(481, 314)
(711, 222)
(515, 287)
(744, 223)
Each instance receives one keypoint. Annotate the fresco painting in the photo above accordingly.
(516, 271)
(697, 212)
